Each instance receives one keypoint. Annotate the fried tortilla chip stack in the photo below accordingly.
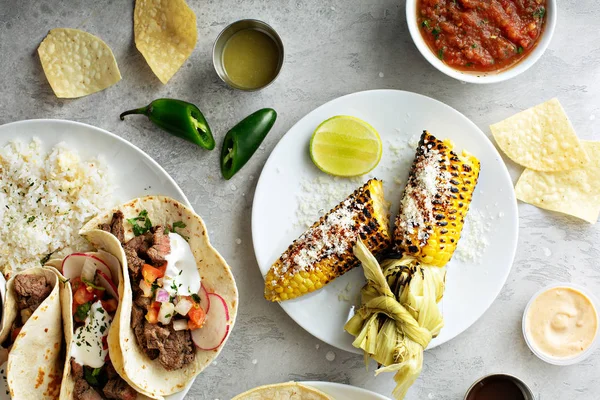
(435, 201)
(324, 251)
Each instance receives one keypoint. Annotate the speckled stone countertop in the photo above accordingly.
(334, 47)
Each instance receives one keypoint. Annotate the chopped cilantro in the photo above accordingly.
(195, 297)
(46, 258)
(96, 371)
(83, 311)
(519, 50)
(440, 54)
(474, 45)
(469, 64)
(30, 219)
(180, 225)
(539, 13)
(436, 32)
(168, 316)
(144, 220)
(92, 285)
(425, 24)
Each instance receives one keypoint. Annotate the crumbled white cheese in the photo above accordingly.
(474, 239)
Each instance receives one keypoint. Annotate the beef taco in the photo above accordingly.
(32, 335)
(178, 297)
(90, 301)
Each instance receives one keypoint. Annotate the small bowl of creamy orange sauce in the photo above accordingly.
(560, 324)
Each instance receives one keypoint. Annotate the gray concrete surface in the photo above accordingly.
(334, 47)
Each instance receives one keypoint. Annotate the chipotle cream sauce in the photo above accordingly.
(562, 322)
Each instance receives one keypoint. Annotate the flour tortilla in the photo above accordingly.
(35, 363)
(143, 374)
(283, 391)
(104, 241)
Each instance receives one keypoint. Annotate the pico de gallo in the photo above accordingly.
(481, 35)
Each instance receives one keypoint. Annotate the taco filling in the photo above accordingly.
(165, 282)
(95, 302)
(30, 292)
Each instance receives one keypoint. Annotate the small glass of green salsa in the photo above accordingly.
(481, 35)
(248, 55)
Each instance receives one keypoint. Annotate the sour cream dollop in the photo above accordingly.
(87, 348)
(181, 277)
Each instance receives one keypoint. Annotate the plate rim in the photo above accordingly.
(124, 142)
(504, 171)
(319, 386)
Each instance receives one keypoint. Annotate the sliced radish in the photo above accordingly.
(107, 284)
(113, 264)
(216, 327)
(204, 299)
(73, 265)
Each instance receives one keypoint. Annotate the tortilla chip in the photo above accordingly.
(541, 138)
(575, 192)
(283, 391)
(77, 63)
(165, 34)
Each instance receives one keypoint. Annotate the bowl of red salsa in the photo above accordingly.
(481, 41)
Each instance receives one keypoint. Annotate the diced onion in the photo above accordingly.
(166, 313)
(146, 288)
(183, 306)
(88, 271)
(162, 296)
(180, 324)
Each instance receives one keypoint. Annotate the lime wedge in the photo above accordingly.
(345, 146)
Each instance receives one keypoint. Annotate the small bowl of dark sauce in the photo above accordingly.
(499, 387)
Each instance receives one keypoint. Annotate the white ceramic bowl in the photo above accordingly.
(571, 360)
(482, 77)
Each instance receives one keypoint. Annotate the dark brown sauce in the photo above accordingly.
(496, 388)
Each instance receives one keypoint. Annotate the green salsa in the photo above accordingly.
(250, 59)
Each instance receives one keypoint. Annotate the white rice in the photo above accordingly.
(45, 198)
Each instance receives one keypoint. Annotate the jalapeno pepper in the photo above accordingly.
(242, 141)
(179, 118)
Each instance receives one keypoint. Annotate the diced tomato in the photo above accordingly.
(82, 295)
(152, 315)
(99, 294)
(110, 305)
(151, 274)
(75, 284)
(105, 342)
(15, 333)
(196, 316)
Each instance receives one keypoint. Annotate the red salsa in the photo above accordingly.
(481, 35)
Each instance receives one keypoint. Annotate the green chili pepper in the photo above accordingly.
(179, 118)
(242, 141)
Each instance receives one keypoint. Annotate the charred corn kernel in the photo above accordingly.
(324, 251)
(435, 201)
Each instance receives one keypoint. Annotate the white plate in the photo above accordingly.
(344, 392)
(135, 173)
(396, 115)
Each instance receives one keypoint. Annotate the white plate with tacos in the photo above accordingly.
(136, 331)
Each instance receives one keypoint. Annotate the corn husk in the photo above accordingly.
(398, 316)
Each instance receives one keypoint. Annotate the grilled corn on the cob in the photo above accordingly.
(324, 251)
(435, 201)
